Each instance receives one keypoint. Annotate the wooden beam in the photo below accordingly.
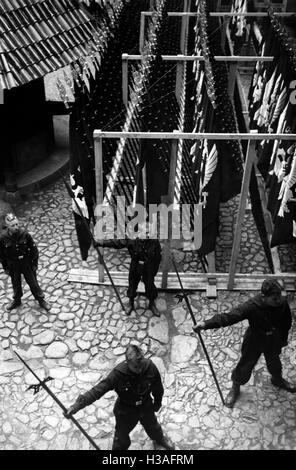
(99, 191)
(224, 13)
(179, 76)
(250, 159)
(232, 69)
(219, 58)
(190, 280)
(261, 187)
(142, 32)
(125, 79)
(169, 200)
(212, 281)
(97, 134)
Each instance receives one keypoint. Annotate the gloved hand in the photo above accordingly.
(156, 406)
(199, 326)
(71, 411)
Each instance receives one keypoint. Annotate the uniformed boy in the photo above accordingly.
(19, 255)
(136, 381)
(270, 319)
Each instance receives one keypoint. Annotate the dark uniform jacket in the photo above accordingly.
(262, 318)
(147, 250)
(17, 247)
(132, 389)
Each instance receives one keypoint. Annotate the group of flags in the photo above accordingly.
(273, 111)
(238, 25)
(213, 172)
(98, 102)
(217, 166)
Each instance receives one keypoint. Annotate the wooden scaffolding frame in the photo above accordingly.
(194, 281)
(210, 281)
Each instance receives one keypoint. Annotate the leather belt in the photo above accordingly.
(136, 403)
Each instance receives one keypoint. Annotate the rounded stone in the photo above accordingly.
(60, 372)
(52, 421)
(179, 315)
(99, 362)
(56, 350)
(158, 329)
(46, 337)
(80, 358)
(6, 428)
(33, 352)
(183, 348)
(65, 316)
(5, 332)
(88, 377)
(84, 345)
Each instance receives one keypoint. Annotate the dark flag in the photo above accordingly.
(81, 174)
(238, 25)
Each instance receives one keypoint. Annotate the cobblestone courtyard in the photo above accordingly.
(85, 334)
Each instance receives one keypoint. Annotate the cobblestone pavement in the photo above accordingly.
(85, 334)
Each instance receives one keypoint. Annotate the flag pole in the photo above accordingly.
(71, 194)
(198, 332)
(41, 383)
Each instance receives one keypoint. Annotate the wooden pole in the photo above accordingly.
(180, 64)
(125, 79)
(232, 79)
(98, 134)
(142, 32)
(99, 191)
(224, 26)
(178, 85)
(226, 13)
(184, 23)
(219, 58)
(169, 200)
(250, 159)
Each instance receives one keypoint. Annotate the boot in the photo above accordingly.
(153, 308)
(131, 307)
(282, 383)
(14, 304)
(232, 395)
(166, 443)
(44, 304)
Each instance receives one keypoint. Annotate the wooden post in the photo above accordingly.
(250, 159)
(99, 191)
(125, 79)
(219, 58)
(184, 25)
(181, 64)
(224, 27)
(142, 32)
(212, 281)
(179, 76)
(232, 70)
(169, 199)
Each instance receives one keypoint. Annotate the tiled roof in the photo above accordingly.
(40, 36)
